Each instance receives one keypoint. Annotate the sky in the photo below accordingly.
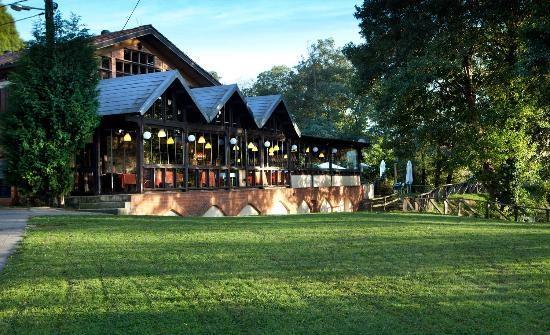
(236, 38)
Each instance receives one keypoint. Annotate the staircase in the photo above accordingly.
(384, 203)
(117, 204)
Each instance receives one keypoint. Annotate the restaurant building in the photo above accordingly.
(174, 141)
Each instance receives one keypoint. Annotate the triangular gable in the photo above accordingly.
(212, 99)
(153, 36)
(135, 94)
(264, 106)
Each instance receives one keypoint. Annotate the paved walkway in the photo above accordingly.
(12, 226)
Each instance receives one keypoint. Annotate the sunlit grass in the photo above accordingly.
(339, 273)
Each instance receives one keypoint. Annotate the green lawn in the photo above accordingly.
(316, 274)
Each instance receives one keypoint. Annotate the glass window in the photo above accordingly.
(207, 150)
(253, 147)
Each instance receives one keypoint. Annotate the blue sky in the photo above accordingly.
(236, 38)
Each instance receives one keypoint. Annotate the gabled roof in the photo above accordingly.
(212, 99)
(147, 32)
(135, 94)
(264, 106)
(155, 37)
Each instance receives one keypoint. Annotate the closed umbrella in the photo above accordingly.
(409, 177)
(382, 168)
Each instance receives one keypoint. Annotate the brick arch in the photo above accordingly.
(249, 210)
(325, 206)
(214, 211)
(281, 210)
(340, 206)
(304, 210)
(348, 205)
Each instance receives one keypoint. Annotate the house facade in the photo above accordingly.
(174, 141)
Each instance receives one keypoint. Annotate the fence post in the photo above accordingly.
(487, 209)
(445, 207)
(459, 207)
(516, 214)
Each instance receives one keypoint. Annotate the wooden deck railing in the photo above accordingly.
(477, 208)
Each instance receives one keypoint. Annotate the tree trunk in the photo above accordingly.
(450, 177)
(423, 181)
(438, 168)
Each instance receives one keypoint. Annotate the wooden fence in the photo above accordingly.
(476, 208)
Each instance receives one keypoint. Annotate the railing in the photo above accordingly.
(477, 208)
(382, 203)
(444, 191)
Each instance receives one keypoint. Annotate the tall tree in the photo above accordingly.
(52, 111)
(9, 38)
(443, 78)
(318, 91)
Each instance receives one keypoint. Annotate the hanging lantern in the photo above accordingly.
(255, 149)
(251, 145)
(202, 140)
(127, 138)
(267, 144)
(321, 155)
(276, 147)
(191, 138)
(307, 150)
(271, 153)
(238, 160)
(147, 135)
(207, 146)
(334, 150)
(233, 141)
(315, 149)
(170, 140)
(236, 148)
(285, 156)
(161, 133)
(294, 148)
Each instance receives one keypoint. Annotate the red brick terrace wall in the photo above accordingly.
(196, 203)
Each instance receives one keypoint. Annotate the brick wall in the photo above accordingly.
(196, 203)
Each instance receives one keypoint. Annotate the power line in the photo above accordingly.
(13, 3)
(25, 18)
(132, 13)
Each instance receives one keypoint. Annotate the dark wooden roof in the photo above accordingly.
(152, 36)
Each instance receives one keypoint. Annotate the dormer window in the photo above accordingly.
(135, 62)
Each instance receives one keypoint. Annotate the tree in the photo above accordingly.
(9, 38)
(277, 80)
(318, 92)
(444, 81)
(52, 111)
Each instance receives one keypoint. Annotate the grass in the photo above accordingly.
(471, 196)
(316, 274)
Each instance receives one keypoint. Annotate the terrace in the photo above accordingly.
(157, 133)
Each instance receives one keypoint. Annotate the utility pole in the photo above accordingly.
(50, 28)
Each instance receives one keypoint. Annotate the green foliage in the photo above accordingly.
(319, 92)
(52, 111)
(342, 273)
(9, 38)
(453, 85)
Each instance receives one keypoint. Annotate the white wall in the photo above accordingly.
(303, 181)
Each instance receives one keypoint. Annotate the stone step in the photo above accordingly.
(112, 211)
(73, 201)
(104, 205)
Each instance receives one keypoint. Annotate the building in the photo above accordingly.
(174, 141)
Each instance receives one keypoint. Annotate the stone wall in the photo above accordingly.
(276, 201)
